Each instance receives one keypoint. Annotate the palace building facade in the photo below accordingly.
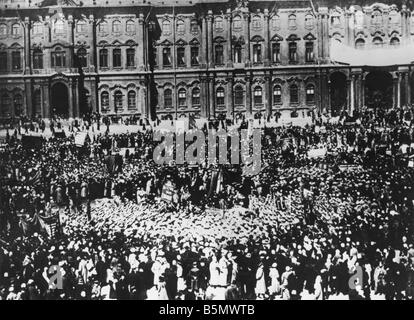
(207, 58)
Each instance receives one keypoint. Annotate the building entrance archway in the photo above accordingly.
(338, 92)
(379, 90)
(60, 100)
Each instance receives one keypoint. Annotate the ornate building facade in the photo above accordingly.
(208, 58)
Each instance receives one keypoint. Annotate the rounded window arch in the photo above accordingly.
(3, 30)
(16, 29)
(310, 93)
(130, 26)
(18, 104)
(292, 21)
(258, 95)
(309, 21)
(182, 97)
(37, 58)
(360, 43)
(237, 23)
(166, 27)
(218, 24)
(180, 26)
(275, 22)
(118, 100)
(194, 26)
(257, 23)
(103, 27)
(195, 97)
(377, 42)
(116, 26)
(220, 96)
(59, 27)
(168, 98)
(104, 100)
(294, 93)
(81, 26)
(395, 41)
(82, 57)
(132, 99)
(239, 95)
(277, 94)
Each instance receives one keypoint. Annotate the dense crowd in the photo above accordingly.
(301, 229)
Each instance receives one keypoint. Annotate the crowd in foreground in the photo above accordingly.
(301, 229)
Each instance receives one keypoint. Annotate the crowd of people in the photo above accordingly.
(300, 229)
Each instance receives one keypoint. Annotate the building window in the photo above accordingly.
(218, 24)
(130, 57)
(219, 56)
(292, 21)
(237, 53)
(395, 41)
(194, 56)
(37, 59)
(116, 26)
(294, 94)
(180, 27)
(16, 29)
(166, 27)
(82, 58)
(103, 27)
(103, 58)
(220, 97)
(37, 28)
(118, 97)
(81, 27)
(3, 30)
(257, 23)
(130, 26)
(155, 56)
(116, 58)
(310, 93)
(37, 102)
(58, 58)
(309, 22)
(168, 98)
(360, 44)
(166, 57)
(181, 57)
(275, 22)
(195, 97)
(292, 52)
(277, 94)
(377, 42)
(309, 52)
(276, 52)
(5, 105)
(239, 96)
(16, 61)
(377, 18)
(182, 97)
(258, 98)
(257, 53)
(59, 27)
(105, 100)
(336, 21)
(132, 100)
(237, 24)
(194, 27)
(3, 61)
(18, 104)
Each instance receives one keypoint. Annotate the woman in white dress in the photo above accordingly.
(260, 281)
(274, 288)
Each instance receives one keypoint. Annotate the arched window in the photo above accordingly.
(277, 94)
(168, 98)
(377, 41)
(16, 29)
(132, 100)
(166, 57)
(180, 27)
(395, 41)
(257, 23)
(81, 27)
(293, 47)
(219, 55)
(275, 22)
(16, 60)
(37, 102)
(18, 104)
(294, 94)
(310, 94)
(130, 52)
(104, 100)
(237, 53)
(257, 53)
(117, 58)
(239, 95)
(3, 30)
(194, 27)
(292, 21)
(5, 105)
(3, 61)
(360, 43)
(82, 58)
(336, 20)
(118, 100)
(195, 97)
(309, 55)
(116, 26)
(258, 95)
(103, 27)
(276, 52)
(58, 58)
(103, 58)
(218, 24)
(37, 28)
(309, 21)
(59, 27)
(237, 24)
(376, 18)
(182, 97)
(37, 59)
(166, 27)
(130, 26)
(220, 97)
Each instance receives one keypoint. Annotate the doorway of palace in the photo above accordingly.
(378, 90)
(60, 100)
(338, 92)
